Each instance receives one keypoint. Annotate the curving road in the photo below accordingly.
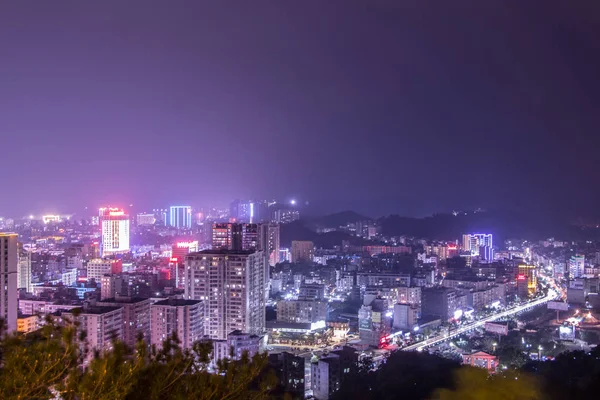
(552, 294)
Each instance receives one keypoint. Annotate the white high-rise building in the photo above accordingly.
(115, 231)
(180, 217)
(184, 317)
(8, 280)
(232, 284)
(576, 266)
(24, 271)
(475, 241)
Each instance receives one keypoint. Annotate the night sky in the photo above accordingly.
(409, 107)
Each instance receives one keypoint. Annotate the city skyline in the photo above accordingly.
(408, 108)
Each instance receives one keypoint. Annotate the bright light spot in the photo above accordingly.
(293, 202)
(31, 217)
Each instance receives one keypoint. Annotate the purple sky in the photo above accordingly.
(380, 106)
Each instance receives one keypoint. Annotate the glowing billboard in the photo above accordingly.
(499, 329)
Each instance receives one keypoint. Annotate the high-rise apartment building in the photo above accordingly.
(8, 279)
(228, 236)
(576, 266)
(136, 317)
(269, 242)
(526, 280)
(242, 211)
(102, 324)
(24, 270)
(302, 250)
(183, 317)
(180, 217)
(330, 371)
(232, 285)
(479, 245)
(285, 216)
(115, 231)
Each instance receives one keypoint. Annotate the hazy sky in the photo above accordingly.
(379, 106)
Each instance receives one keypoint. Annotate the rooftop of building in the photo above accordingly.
(177, 302)
(437, 289)
(240, 333)
(94, 310)
(222, 252)
(124, 300)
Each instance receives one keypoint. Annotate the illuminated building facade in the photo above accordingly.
(576, 266)
(160, 216)
(180, 217)
(145, 219)
(181, 249)
(285, 216)
(269, 242)
(479, 245)
(526, 280)
(97, 268)
(50, 218)
(228, 236)
(178, 253)
(8, 280)
(24, 271)
(301, 311)
(232, 285)
(242, 211)
(115, 231)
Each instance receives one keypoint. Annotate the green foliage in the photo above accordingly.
(410, 375)
(573, 375)
(476, 384)
(54, 363)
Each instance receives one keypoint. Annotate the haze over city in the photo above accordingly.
(405, 107)
(317, 199)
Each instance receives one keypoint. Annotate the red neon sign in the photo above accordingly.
(521, 277)
(173, 259)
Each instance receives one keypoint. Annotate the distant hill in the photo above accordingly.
(298, 231)
(503, 224)
(338, 219)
